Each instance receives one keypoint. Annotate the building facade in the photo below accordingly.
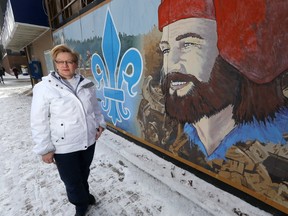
(196, 81)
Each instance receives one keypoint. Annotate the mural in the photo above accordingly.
(112, 77)
(200, 82)
(222, 84)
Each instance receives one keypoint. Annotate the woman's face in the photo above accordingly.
(65, 65)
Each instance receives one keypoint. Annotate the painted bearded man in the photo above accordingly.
(222, 67)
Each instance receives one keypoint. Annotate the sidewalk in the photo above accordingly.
(13, 86)
(12, 79)
(126, 179)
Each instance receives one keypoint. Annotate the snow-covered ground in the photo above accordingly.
(125, 178)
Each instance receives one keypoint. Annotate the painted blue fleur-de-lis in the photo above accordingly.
(115, 80)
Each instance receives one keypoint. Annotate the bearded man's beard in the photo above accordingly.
(205, 98)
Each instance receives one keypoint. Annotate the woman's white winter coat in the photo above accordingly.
(63, 121)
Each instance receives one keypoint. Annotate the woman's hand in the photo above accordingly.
(48, 158)
(99, 132)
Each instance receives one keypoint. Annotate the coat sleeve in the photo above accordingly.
(98, 112)
(39, 118)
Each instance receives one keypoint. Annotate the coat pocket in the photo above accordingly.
(59, 132)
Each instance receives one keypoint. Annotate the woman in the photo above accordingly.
(66, 121)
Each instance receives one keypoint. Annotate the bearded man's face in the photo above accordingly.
(189, 49)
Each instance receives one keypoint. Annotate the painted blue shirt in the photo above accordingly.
(271, 131)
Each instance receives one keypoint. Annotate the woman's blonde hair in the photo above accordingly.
(64, 48)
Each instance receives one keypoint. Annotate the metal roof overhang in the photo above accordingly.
(22, 35)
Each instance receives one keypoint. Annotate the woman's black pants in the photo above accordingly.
(74, 169)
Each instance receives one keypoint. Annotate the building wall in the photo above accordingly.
(10, 61)
(210, 96)
(37, 48)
